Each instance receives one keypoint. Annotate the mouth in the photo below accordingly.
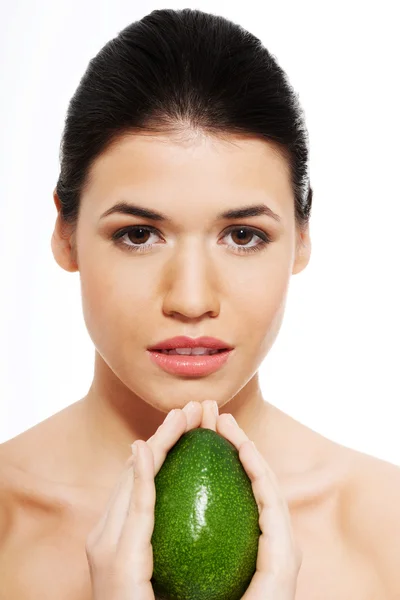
(192, 352)
(190, 364)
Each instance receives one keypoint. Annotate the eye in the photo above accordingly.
(245, 232)
(140, 234)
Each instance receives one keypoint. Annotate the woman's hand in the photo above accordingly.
(118, 549)
(279, 557)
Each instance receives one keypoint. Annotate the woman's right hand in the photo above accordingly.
(118, 549)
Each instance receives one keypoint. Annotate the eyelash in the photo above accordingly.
(118, 235)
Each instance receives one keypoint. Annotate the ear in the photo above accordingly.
(63, 242)
(303, 250)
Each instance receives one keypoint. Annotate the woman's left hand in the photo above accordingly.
(279, 557)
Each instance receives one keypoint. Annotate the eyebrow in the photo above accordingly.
(126, 208)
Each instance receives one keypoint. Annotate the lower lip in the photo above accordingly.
(190, 365)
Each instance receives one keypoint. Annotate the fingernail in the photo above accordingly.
(189, 408)
(255, 448)
(130, 461)
(215, 408)
(232, 419)
(134, 450)
(171, 414)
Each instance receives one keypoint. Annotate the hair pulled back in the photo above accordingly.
(174, 71)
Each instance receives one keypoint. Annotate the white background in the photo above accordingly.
(335, 364)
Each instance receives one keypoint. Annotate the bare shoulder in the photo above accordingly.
(17, 483)
(10, 482)
(44, 449)
(16, 499)
(33, 468)
(371, 514)
(43, 522)
(7, 477)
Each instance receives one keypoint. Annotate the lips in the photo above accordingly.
(190, 366)
(187, 342)
(190, 351)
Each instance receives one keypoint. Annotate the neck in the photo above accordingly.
(114, 417)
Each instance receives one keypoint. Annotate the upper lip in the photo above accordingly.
(187, 342)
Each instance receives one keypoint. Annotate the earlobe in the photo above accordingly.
(303, 252)
(62, 251)
(62, 243)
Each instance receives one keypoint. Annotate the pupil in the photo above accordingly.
(137, 235)
(242, 234)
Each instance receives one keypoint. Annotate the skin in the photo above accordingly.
(119, 548)
(56, 478)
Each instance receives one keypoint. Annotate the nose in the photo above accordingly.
(191, 284)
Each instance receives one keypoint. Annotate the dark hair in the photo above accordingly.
(180, 69)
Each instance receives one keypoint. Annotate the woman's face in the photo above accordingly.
(189, 275)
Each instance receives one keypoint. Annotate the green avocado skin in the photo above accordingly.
(206, 527)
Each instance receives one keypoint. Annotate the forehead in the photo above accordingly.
(176, 176)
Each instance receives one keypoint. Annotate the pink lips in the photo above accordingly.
(190, 365)
(187, 342)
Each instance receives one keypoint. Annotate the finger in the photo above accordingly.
(278, 551)
(210, 414)
(276, 544)
(174, 426)
(193, 412)
(110, 525)
(272, 495)
(228, 427)
(135, 540)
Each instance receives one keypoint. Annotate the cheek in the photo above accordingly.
(260, 299)
(263, 303)
(115, 302)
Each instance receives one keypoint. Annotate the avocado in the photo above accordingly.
(205, 536)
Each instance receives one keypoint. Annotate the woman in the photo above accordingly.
(184, 203)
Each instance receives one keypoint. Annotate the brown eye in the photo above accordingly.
(137, 238)
(138, 235)
(242, 235)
